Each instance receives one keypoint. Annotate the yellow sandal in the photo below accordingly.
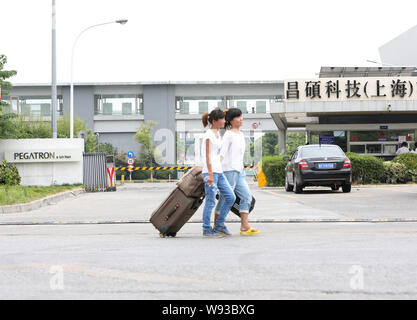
(249, 232)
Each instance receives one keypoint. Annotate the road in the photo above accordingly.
(101, 247)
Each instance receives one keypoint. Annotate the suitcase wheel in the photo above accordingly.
(170, 234)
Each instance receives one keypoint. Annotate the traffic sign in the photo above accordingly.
(130, 154)
(130, 161)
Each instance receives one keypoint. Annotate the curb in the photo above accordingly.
(92, 222)
(23, 207)
(359, 186)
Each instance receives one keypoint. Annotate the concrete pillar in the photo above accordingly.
(282, 142)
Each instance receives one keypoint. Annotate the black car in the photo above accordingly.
(318, 165)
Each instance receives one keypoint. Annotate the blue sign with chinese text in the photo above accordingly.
(326, 139)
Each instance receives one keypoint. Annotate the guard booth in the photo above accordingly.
(99, 172)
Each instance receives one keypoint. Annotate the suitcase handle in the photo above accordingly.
(177, 205)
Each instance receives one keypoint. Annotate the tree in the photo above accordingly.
(35, 128)
(294, 140)
(107, 148)
(147, 148)
(7, 126)
(269, 142)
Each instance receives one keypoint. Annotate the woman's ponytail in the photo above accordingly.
(204, 119)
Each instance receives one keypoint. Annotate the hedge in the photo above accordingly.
(396, 172)
(9, 174)
(273, 168)
(407, 159)
(367, 169)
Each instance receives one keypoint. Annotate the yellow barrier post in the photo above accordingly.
(123, 179)
(261, 177)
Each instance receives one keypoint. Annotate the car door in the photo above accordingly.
(291, 168)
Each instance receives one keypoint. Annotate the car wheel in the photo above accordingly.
(288, 187)
(347, 187)
(297, 187)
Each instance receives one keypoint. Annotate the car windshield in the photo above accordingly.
(321, 151)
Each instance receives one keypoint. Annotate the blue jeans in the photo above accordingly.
(226, 191)
(238, 183)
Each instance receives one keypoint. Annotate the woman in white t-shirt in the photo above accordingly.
(232, 154)
(213, 175)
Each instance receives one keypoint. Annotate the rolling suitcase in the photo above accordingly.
(174, 212)
(180, 205)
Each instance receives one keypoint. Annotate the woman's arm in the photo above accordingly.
(210, 179)
(227, 141)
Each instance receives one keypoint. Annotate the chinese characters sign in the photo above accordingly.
(350, 89)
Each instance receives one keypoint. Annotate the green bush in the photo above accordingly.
(9, 174)
(366, 169)
(274, 170)
(407, 159)
(164, 174)
(396, 172)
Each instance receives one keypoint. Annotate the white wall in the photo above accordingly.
(47, 173)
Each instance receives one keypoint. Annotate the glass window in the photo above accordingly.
(198, 105)
(380, 135)
(321, 151)
(248, 104)
(390, 148)
(38, 106)
(118, 104)
(357, 148)
(374, 148)
(252, 104)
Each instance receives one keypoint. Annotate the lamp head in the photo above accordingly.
(122, 22)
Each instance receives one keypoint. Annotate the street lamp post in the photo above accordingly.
(53, 84)
(122, 22)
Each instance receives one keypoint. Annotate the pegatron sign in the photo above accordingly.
(351, 89)
(26, 156)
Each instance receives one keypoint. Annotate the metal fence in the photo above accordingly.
(94, 172)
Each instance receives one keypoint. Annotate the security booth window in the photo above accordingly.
(379, 142)
(381, 135)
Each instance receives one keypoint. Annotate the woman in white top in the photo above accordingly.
(232, 154)
(213, 176)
